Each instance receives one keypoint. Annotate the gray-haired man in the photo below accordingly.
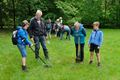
(38, 33)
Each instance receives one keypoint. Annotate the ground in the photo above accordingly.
(62, 58)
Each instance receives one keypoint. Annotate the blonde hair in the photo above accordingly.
(77, 24)
(96, 23)
(25, 22)
(38, 12)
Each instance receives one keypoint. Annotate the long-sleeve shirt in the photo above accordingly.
(96, 37)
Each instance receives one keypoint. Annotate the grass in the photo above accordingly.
(62, 55)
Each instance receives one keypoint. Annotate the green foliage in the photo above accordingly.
(85, 11)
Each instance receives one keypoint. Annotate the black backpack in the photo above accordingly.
(14, 37)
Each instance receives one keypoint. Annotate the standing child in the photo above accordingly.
(48, 28)
(79, 34)
(22, 41)
(95, 41)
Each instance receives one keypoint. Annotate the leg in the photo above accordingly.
(61, 35)
(97, 55)
(76, 46)
(43, 43)
(91, 56)
(37, 46)
(92, 47)
(23, 52)
(49, 34)
(77, 56)
(81, 52)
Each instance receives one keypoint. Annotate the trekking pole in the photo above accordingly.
(46, 65)
(79, 46)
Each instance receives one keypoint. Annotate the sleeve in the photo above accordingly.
(90, 38)
(101, 38)
(24, 37)
(84, 32)
(30, 29)
(72, 31)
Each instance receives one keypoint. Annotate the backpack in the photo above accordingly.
(14, 37)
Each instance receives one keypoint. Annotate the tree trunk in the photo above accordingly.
(13, 3)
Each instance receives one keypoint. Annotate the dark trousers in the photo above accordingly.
(38, 40)
(81, 55)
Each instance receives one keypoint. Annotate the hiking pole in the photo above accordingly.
(46, 65)
(79, 46)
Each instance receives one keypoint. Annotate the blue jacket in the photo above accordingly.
(79, 36)
(22, 36)
(96, 37)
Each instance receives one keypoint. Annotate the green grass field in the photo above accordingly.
(62, 55)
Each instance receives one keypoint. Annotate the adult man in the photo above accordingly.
(38, 33)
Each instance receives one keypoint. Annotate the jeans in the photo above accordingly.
(81, 55)
(38, 40)
(22, 49)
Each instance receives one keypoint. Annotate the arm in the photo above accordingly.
(101, 38)
(84, 32)
(90, 39)
(24, 37)
(30, 29)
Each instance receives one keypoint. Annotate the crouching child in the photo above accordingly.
(95, 41)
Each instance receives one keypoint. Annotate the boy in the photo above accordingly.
(95, 41)
(22, 39)
(79, 34)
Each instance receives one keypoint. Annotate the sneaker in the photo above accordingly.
(24, 68)
(90, 62)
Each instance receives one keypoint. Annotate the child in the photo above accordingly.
(95, 41)
(79, 34)
(22, 39)
(48, 28)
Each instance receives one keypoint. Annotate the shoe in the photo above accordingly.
(90, 62)
(24, 68)
(77, 60)
(98, 64)
(81, 62)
